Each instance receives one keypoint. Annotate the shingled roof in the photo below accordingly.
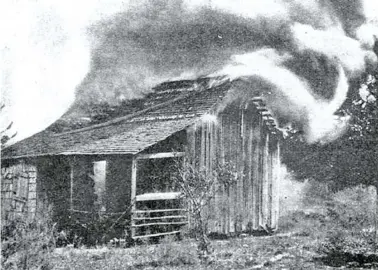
(171, 107)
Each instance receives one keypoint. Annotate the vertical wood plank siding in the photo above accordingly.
(276, 179)
(249, 166)
(256, 155)
(242, 137)
(71, 183)
(133, 191)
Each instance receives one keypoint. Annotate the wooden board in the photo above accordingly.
(160, 155)
(158, 196)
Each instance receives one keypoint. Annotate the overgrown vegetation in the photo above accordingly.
(347, 167)
(27, 243)
(330, 228)
(5, 133)
(97, 229)
(239, 253)
(199, 186)
(340, 224)
(350, 236)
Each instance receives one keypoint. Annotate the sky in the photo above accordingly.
(45, 54)
(45, 50)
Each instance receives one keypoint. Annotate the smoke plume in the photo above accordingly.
(304, 52)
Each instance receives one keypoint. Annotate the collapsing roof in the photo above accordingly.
(172, 107)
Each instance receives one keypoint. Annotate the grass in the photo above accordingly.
(328, 231)
(272, 252)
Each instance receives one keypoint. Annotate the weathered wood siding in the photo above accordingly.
(53, 188)
(243, 138)
(83, 195)
(116, 196)
(118, 184)
(18, 190)
(64, 185)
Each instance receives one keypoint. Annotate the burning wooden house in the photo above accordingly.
(124, 166)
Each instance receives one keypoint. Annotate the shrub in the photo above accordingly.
(339, 243)
(350, 236)
(353, 208)
(27, 243)
(303, 224)
(199, 186)
(344, 247)
(97, 230)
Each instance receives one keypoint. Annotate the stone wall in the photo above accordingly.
(18, 190)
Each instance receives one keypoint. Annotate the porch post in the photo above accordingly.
(133, 193)
(71, 162)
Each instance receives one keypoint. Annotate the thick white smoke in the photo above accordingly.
(350, 54)
(316, 113)
(45, 53)
(306, 51)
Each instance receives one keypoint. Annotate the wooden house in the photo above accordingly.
(124, 166)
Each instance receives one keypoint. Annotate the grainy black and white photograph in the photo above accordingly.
(189, 134)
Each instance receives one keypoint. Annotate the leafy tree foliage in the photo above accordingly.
(5, 136)
(351, 159)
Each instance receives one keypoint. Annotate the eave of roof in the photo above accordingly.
(129, 134)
